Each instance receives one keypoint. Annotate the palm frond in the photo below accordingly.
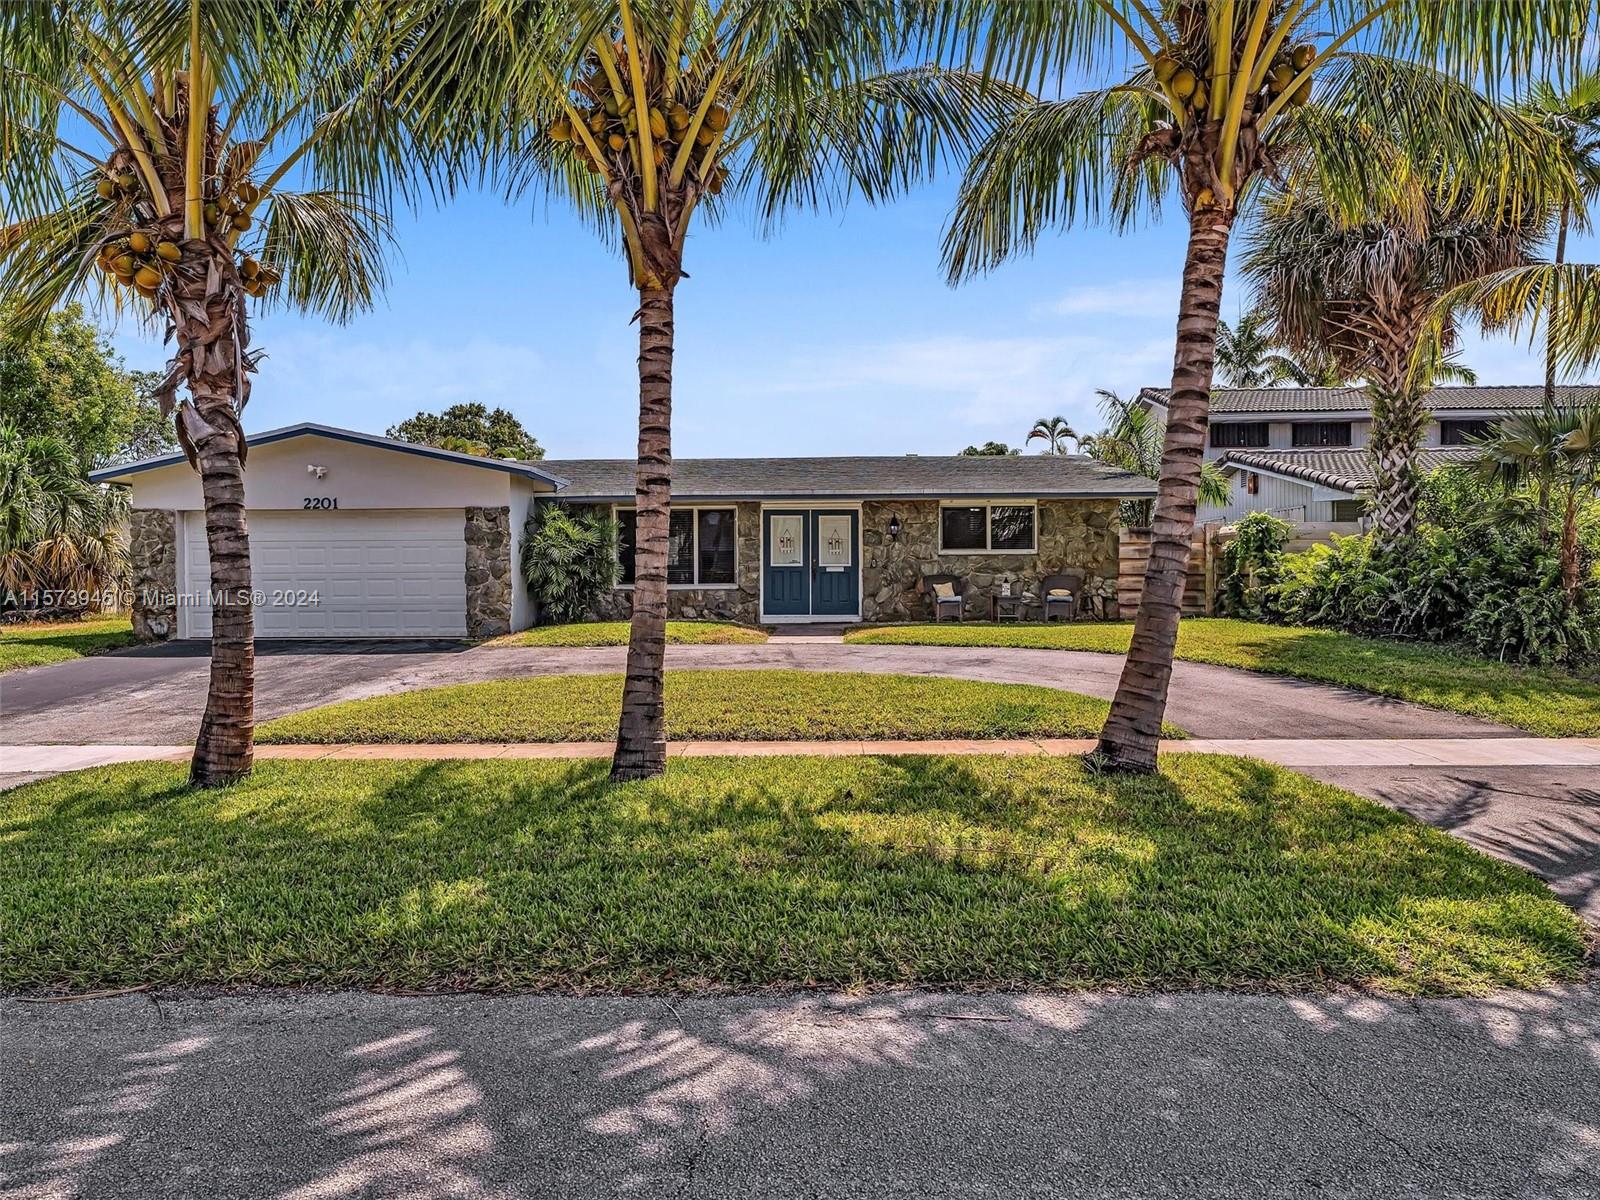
(331, 248)
(1052, 163)
(1520, 300)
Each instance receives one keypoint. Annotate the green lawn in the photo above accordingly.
(946, 872)
(35, 645)
(1548, 702)
(615, 633)
(721, 705)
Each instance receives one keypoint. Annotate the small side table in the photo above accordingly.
(1001, 607)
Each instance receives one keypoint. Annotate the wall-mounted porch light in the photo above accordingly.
(894, 528)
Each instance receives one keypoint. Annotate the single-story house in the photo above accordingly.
(354, 535)
(1310, 486)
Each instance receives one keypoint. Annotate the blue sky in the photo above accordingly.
(835, 335)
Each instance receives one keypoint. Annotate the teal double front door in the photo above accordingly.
(811, 563)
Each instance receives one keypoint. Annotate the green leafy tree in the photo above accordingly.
(188, 160)
(1366, 98)
(1364, 296)
(1055, 433)
(648, 117)
(990, 450)
(61, 378)
(471, 429)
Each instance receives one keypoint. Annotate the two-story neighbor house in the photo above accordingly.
(1300, 453)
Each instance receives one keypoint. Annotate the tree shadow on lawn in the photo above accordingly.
(936, 871)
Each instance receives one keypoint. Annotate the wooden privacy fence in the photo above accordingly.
(1205, 562)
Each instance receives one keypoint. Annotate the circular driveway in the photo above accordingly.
(154, 695)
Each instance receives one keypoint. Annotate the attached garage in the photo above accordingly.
(379, 574)
(351, 536)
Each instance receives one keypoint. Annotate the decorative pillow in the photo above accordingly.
(945, 591)
(1060, 594)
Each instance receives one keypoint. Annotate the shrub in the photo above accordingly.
(1251, 562)
(569, 558)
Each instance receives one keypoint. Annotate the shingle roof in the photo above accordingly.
(1349, 470)
(1497, 398)
(859, 478)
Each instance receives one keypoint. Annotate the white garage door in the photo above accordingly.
(389, 573)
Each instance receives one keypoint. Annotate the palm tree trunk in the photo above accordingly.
(209, 425)
(1569, 545)
(641, 751)
(1399, 420)
(1550, 319)
(1132, 731)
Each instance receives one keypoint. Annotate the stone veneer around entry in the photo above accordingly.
(488, 537)
(153, 563)
(1079, 534)
(1071, 534)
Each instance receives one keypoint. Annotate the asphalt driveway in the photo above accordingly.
(155, 695)
(314, 1096)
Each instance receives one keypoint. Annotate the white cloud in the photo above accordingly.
(994, 386)
(1154, 298)
(312, 373)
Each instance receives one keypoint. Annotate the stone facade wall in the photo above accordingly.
(1078, 534)
(153, 559)
(740, 601)
(488, 537)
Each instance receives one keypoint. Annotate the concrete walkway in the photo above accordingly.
(1102, 1097)
(1288, 752)
(156, 694)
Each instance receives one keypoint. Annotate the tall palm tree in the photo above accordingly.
(182, 158)
(1570, 111)
(1557, 450)
(1055, 433)
(1220, 98)
(1364, 295)
(646, 115)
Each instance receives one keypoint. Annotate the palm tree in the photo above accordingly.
(1055, 433)
(1247, 355)
(1557, 450)
(1364, 296)
(644, 116)
(58, 532)
(1132, 439)
(1221, 98)
(1571, 113)
(233, 159)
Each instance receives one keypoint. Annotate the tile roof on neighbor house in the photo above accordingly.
(904, 476)
(1348, 470)
(1262, 401)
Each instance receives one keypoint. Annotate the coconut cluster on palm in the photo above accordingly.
(143, 246)
(604, 123)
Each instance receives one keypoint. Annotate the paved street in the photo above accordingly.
(917, 1095)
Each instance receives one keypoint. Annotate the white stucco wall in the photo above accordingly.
(357, 476)
(522, 496)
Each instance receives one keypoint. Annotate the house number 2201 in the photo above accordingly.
(320, 502)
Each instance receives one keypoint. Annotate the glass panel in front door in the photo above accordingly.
(833, 541)
(788, 541)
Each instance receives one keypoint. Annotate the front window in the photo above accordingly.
(700, 546)
(1239, 435)
(979, 528)
(1464, 433)
(1321, 433)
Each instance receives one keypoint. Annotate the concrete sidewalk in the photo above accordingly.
(1288, 752)
(308, 1096)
